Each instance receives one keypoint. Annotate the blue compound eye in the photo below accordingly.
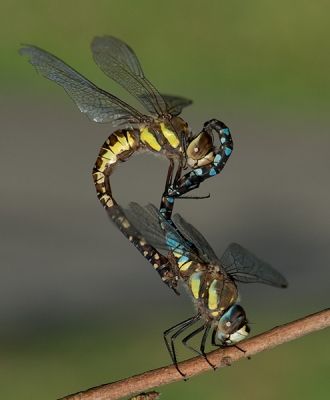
(232, 327)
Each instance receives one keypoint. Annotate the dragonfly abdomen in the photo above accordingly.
(119, 146)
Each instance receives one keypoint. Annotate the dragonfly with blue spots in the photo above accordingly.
(162, 131)
(210, 281)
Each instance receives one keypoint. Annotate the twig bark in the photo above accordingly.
(220, 358)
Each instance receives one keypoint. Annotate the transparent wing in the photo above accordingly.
(117, 60)
(157, 230)
(148, 224)
(194, 236)
(99, 105)
(175, 104)
(245, 267)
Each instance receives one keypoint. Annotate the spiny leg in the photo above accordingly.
(206, 328)
(182, 326)
(192, 179)
(119, 147)
(213, 341)
(167, 203)
(202, 348)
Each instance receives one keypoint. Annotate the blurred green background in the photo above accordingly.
(78, 306)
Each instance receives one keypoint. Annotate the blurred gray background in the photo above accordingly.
(79, 306)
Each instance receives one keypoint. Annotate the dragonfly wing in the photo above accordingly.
(99, 105)
(117, 60)
(194, 236)
(156, 229)
(175, 104)
(148, 225)
(245, 267)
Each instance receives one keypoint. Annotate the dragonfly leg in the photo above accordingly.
(182, 326)
(118, 148)
(192, 179)
(167, 203)
(213, 341)
(206, 328)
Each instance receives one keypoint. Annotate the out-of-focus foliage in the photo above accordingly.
(268, 53)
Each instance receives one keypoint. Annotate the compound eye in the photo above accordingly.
(233, 326)
(200, 146)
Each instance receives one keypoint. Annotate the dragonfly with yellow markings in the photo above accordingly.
(161, 131)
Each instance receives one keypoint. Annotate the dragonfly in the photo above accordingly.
(210, 281)
(161, 131)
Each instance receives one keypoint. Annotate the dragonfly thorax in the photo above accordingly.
(166, 135)
(213, 291)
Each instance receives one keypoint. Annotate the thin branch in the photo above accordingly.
(220, 358)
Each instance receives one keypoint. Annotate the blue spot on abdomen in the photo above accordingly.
(217, 158)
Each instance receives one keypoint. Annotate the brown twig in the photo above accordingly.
(220, 358)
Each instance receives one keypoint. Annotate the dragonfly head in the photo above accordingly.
(232, 327)
(200, 150)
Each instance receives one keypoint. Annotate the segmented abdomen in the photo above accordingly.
(117, 148)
